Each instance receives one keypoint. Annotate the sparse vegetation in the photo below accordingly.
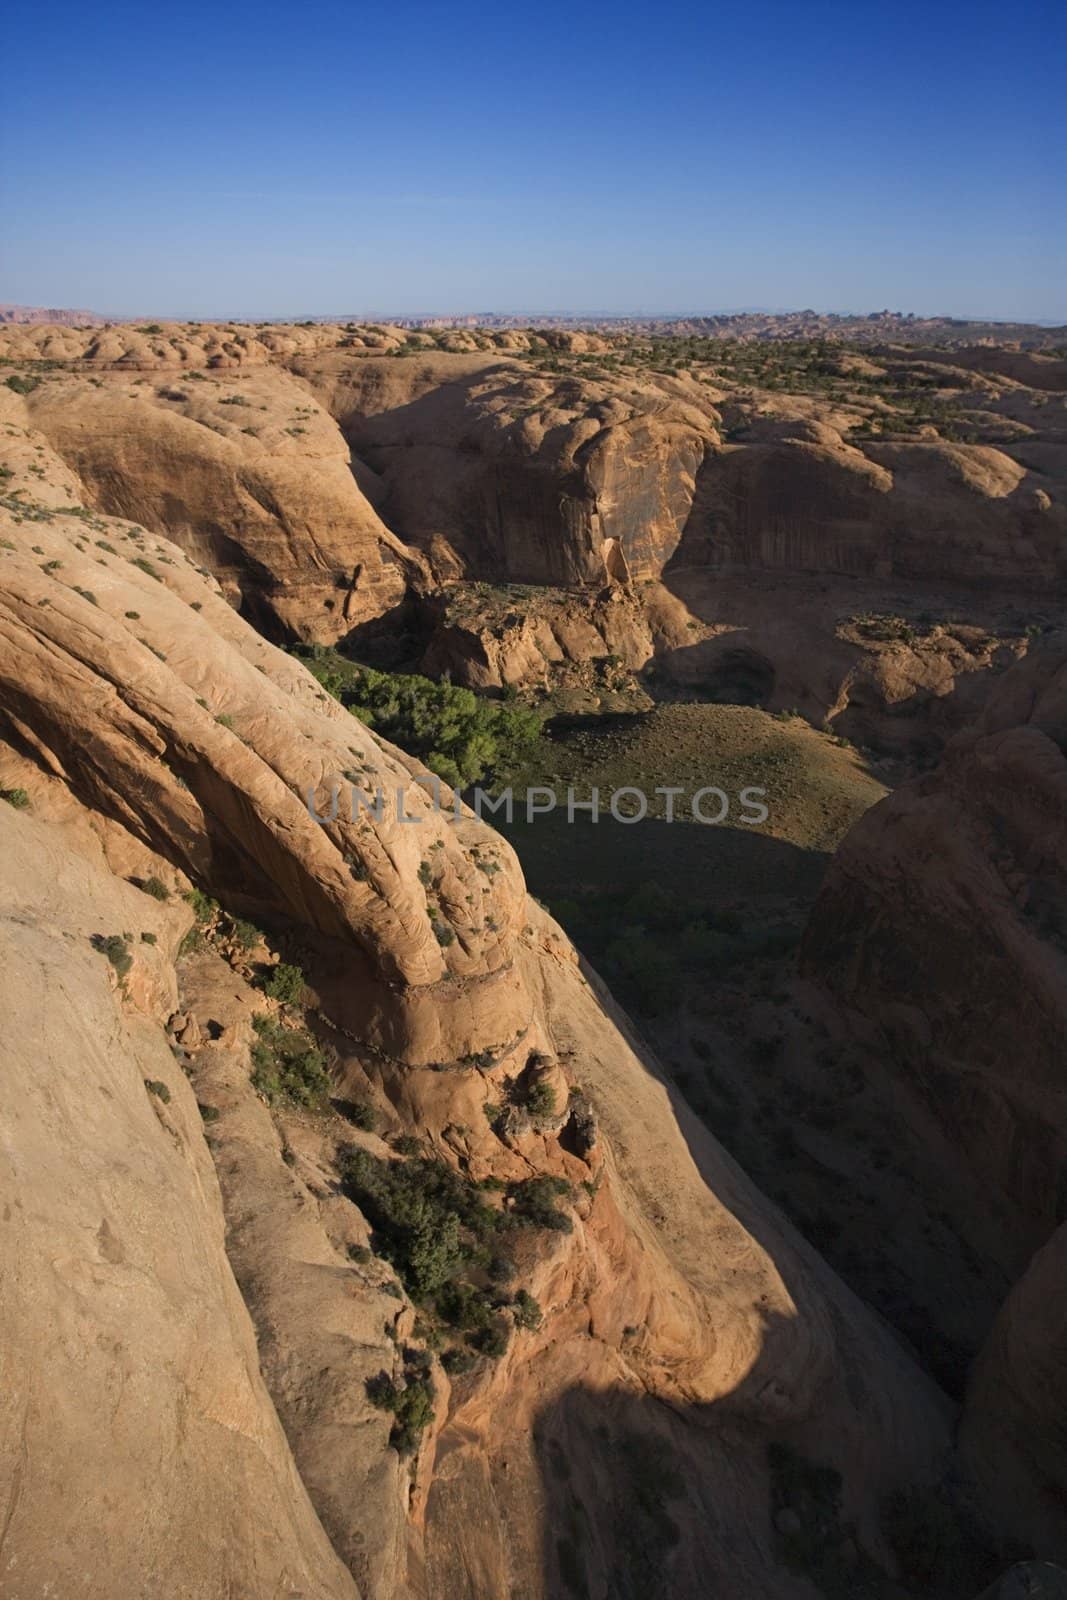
(116, 947)
(461, 737)
(443, 1237)
(411, 1402)
(18, 798)
(287, 1065)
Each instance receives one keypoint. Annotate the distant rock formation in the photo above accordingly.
(60, 317)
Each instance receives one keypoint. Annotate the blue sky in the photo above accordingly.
(264, 160)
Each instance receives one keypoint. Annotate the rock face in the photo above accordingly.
(799, 496)
(944, 920)
(1013, 1429)
(248, 475)
(942, 929)
(157, 737)
(139, 1451)
(529, 478)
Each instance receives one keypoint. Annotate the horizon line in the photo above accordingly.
(559, 314)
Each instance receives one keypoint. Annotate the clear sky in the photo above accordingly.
(265, 160)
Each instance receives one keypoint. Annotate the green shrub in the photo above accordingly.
(15, 797)
(192, 941)
(526, 1311)
(464, 1306)
(406, 1144)
(21, 383)
(541, 1099)
(461, 738)
(492, 1341)
(159, 1089)
(117, 949)
(812, 1493)
(149, 938)
(204, 907)
(146, 566)
(360, 1113)
(429, 1222)
(410, 1404)
(284, 983)
(458, 1361)
(287, 1065)
(155, 887)
(245, 934)
(533, 1202)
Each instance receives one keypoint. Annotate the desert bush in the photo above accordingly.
(245, 934)
(492, 1340)
(204, 907)
(526, 1311)
(533, 1203)
(284, 983)
(155, 887)
(411, 1404)
(287, 1064)
(158, 1088)
(457, 1361)
(360, 1113)
(429, 1222)
(15, 797)
(541, 1099)
(116, 947)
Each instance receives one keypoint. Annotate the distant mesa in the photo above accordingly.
(62, 316)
